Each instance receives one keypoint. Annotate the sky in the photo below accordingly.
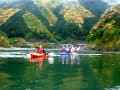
(2, 0)
(112, 2)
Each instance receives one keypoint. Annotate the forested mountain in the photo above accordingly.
(106, 33)
(53, 20)
(97, 7)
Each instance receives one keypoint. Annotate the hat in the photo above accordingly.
(40, 46)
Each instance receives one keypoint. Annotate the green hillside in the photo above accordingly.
(3, 40)
(106, 33)
(75, 13)
(49, 16)
(40, 19)
(15, 26)
(5, 14)
(36, 27)
(71, 17)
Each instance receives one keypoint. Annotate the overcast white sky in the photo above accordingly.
(112, 1)
(109, 1)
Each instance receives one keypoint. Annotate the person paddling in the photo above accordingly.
(70, 50)
(40, 50)
(63, 50)
(76, 49)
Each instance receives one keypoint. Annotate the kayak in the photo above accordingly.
(63, 53)
(38, 55)
(68, 53)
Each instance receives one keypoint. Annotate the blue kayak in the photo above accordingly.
(63, 53)
(68, 53)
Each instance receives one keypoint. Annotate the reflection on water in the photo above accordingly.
(39, 61)
(51, 60)
(70, 59)
(63, 59)
(107, 69)
(87, 71)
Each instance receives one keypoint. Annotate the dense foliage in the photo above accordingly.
(38, 30)
(3, 40)
(106, 33)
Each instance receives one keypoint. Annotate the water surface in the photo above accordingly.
(90, 70)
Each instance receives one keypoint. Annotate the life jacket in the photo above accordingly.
(63, 50)
(69, 50)
(41, 51)
(76, 50)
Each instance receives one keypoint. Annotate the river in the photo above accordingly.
(90, 70)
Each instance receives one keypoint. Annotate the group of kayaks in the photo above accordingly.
(37, 55)
(40, 52)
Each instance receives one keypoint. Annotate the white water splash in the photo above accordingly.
(12, 54)
(90, 54)
(15, 48)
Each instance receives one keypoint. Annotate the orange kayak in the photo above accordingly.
(38, 55)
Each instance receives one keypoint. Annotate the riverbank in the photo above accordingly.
(93, 46)
(54, 46)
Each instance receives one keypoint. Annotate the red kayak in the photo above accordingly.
(38, 55)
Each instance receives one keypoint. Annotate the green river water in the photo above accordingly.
(90, 70)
